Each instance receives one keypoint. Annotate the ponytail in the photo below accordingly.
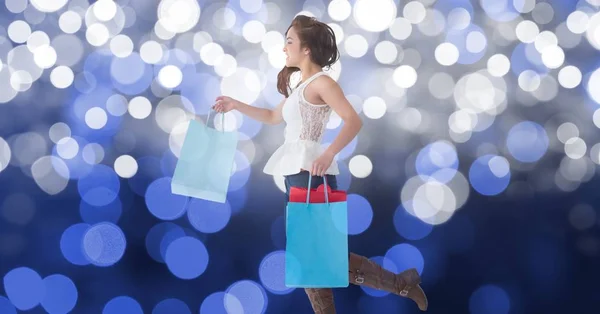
(283, 80)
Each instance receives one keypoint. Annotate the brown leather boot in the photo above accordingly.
(364, 271)
(321, 300)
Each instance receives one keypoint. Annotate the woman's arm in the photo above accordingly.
(266, 116)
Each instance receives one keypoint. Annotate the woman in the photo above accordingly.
(311, 46)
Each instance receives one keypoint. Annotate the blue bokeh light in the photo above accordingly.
(104, 244)
(100, 187)
(500, 10)
(155, 237)
(131, 75)
(406, 256)
(24, 288)
(171, 306)
(360, 214)
(95, 214)
(237, 199)
(250, 294)
(187, 258)
(527, 141)
(489, 174)
(438, 161)
(61, 294)
(409, 226)
(170, 236)
(201, 89)
(208, 217)
(215, 304)
(6, 307)
(272, 273)
(368, 305)
(162, 203)
(71, 244)
(386, 264)
(121, 305)
(344, 179)
(489, 299)
(460, 39)
(445, 7)
(526, 57)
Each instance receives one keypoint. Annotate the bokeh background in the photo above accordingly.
(477, 163)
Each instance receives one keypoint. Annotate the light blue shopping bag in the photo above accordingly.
(205, 163)
(316, 244)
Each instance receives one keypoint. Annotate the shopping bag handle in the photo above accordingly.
(222, 120)
(324, 182)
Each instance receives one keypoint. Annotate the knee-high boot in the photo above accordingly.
(363, 271)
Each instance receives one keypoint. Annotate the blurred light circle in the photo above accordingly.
(438, 161)
(97, 34)
(162, 203)
(61, 294)
(104, 10)
(59, 131)
(19, 31)
(401, 28)
(178, 16)
(187, 258)
(529, 80)
(405, 76)
(498, 65)
(171, 306)
(92, 153)
(489, 174)
(254, 31)
(104, 244)
(151, 52)
(36, 40)
(501, 11)
(221, 303)
(51, 174)
(100, 187)
(45, 56)
(252, 6)
(553, 57)
(409, 226)
(69, 22)
(121, 305)
(446, 54)
(249, 294)
(569, 77)
(360, 166)
(415, 12)
(459, 18)
(48, 5)
(21, 81)
(577, 22)
(592, 83)
(489, 299)
(441, 85)
(527, 141)
(67, 148)
(170, 76)
(360, 214)
(374, 107)
(126, 166)
(155, 237)
(386, 52)
(356, 45)
(16, 6)
(128, 70)
(374, 15)
(207, 216)
(24, 288)
(71, 243)
(62, 77)
(272, 273)
(139, 107)
(96, 118)
(405, 256)
(575, 148)
(121, 45)
(339, 10)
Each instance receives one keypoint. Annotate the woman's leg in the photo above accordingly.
(321, 299)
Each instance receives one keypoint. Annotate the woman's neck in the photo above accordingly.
(309, 70)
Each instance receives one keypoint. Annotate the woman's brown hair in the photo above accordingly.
(316, 36)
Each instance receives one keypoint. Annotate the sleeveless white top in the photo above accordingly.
(305, 126)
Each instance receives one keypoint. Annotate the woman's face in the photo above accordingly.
(294, 53)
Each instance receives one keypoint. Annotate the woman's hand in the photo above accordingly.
(321, 164)
(224, 104)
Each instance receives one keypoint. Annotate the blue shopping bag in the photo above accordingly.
(205, 164)
(316, 243)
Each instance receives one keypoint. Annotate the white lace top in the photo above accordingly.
(305, 126)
